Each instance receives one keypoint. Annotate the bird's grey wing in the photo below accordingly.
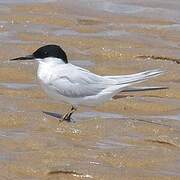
(77, 83)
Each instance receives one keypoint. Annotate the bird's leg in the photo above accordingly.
(67, 116)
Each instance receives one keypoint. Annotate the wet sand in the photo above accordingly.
(136, 136)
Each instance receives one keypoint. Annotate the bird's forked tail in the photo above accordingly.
(136, 78)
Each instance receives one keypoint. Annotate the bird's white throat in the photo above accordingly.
(51, 61)
(46, 66)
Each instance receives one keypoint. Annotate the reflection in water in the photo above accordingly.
(25, 1)
(118, 7)
(17, 85)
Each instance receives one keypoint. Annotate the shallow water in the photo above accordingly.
(132, 137)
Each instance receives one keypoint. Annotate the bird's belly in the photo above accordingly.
(87, 101)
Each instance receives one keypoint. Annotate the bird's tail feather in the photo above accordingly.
(137, 89)
(135, 78)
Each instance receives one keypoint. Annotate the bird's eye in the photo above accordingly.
(46, 53)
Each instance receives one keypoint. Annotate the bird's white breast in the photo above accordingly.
(46, 69)
(49, 71)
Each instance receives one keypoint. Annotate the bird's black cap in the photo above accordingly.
(50, 50)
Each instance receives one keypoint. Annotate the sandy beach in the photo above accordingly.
(136, 136)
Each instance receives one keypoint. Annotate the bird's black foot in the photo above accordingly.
(67, 116)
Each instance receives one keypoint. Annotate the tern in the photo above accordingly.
(77, 86)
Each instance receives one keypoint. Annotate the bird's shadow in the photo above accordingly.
(56, 115)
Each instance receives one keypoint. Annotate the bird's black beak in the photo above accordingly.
(28, 57)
